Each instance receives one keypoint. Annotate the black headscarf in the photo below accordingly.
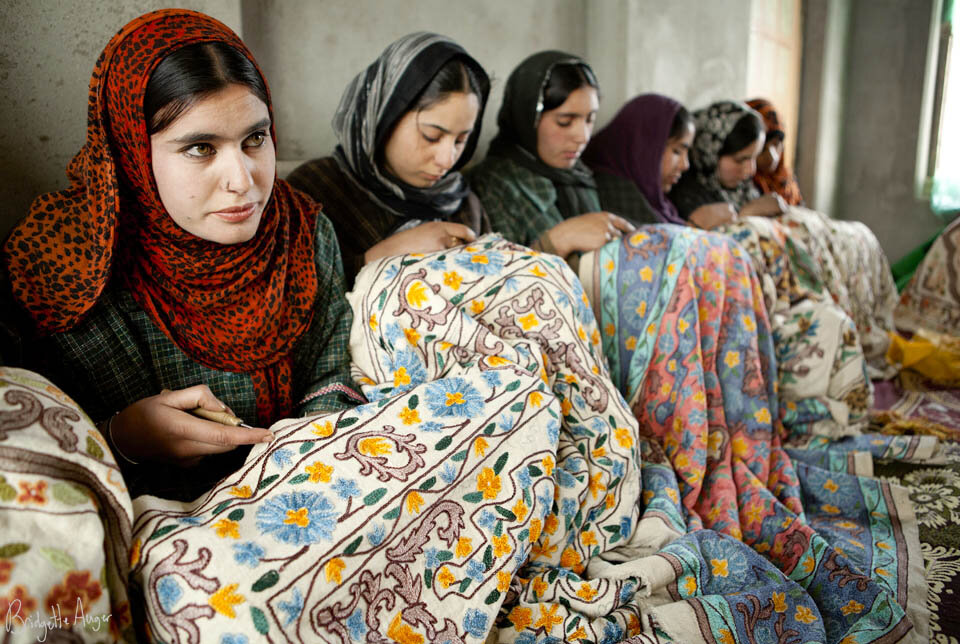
(518, 120)
(372, 104)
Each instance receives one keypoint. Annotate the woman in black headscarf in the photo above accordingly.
(405, 126)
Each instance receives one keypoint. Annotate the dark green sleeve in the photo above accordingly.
(688, 195)
(621, 197)
(323, 355)
(520, 209)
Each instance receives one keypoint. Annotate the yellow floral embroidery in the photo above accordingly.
(225, 599)
(409, 416)
(375, 446)
(452, 279)
(323, 430)
(322, 472)
(417, 294)
(719, 567)
(242, 492)
(333, 569)
(412, 336)
(414, 501)
(227, 528)
(488, 482)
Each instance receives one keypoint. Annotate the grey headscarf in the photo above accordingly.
(714, 124)
(372, 104)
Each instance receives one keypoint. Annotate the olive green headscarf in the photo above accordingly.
(518, 119)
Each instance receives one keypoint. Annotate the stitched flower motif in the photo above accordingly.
(453, 397)
(77, 586)
(297, 518)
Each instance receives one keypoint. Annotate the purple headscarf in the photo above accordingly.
(631, 146)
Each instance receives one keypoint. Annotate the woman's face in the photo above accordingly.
(734, 169)
(676, 158)
(215, 165)
(769, 159)
(426, 144)
(564, 131)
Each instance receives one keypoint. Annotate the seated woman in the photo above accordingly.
(847, 259)
(637, 158)
(773, 175)
(392, 185)
(177, 272)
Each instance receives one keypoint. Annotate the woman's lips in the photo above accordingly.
(237, 213)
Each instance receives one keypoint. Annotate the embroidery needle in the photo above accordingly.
(221, 417)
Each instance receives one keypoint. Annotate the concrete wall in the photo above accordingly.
(691, 50)
(47, 54)
(309, 50)
(883, 113)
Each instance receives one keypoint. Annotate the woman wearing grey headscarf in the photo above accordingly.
(405, 126)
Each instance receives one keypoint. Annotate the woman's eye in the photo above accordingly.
(564, 122)
(431, 139)
(199, 150)
(256, 139)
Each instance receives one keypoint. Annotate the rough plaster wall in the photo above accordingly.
(884, 91)
(309, 51)
(47, 54)
(820, 131)
(691, 50)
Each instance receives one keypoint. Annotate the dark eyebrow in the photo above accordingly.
(445, 130)
(205, 137)
(574, 114)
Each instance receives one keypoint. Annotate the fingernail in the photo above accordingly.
(222, 406)
(269, 438)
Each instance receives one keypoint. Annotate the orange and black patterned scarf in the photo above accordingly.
(780, 180)
(236, 307)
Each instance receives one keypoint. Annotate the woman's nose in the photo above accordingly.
(446, 155)
(237, 173)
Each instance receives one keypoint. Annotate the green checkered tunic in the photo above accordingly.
(117, 356)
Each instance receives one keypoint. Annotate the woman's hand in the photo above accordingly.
(587, 232)
(712, 215)
(425, 238)
(159, 428)
(769, 205)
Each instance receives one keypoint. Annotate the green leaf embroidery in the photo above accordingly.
(352, 547)
(306, 447)
(392, 514)
(500, 462)
(443, 443)
(492, 597)
(69, 494)
(259, 620)
(267, 481)
(298, 479)
(59, 559)
(10, 550)
(162, 531)
(413, 401)
(429, 483)
(346, 422)
(374, 496)
(473, 497)
(94, 449)
(221, 507)
(267, 580)
(236, 515)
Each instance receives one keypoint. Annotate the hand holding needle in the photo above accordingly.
(221, 417)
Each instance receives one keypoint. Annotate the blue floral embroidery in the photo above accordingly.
(449, 473)
(485, 263)
(392, 333)
(297, 518)
(475, 570)
(611, 633)
(430, 556)
(492, 378)
(375, 536)
(625, 526)
(553, 431)
(292, 608)
(453, 397)
(233, 638)
(412, 366)
(358, 628)
(431, 426)
(486, 520)
(282, 457)
(248, 553)
(345, 488)
(475, 623)
(523, 478)
(170, 593)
